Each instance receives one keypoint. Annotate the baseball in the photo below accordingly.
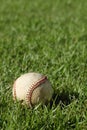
(32, 88)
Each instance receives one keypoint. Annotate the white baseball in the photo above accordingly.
(32, 88)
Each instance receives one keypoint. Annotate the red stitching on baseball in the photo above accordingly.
(14, 91)
(34, 86)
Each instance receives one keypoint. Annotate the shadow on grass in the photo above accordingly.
(83, 38)
(64, 97)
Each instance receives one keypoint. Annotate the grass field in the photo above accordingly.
(48, 37)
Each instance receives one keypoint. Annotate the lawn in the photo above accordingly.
(49, 37)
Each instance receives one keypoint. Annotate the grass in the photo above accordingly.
(48, 37)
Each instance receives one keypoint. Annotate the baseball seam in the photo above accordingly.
(31, 89)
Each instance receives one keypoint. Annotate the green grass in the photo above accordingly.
(48, 37)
